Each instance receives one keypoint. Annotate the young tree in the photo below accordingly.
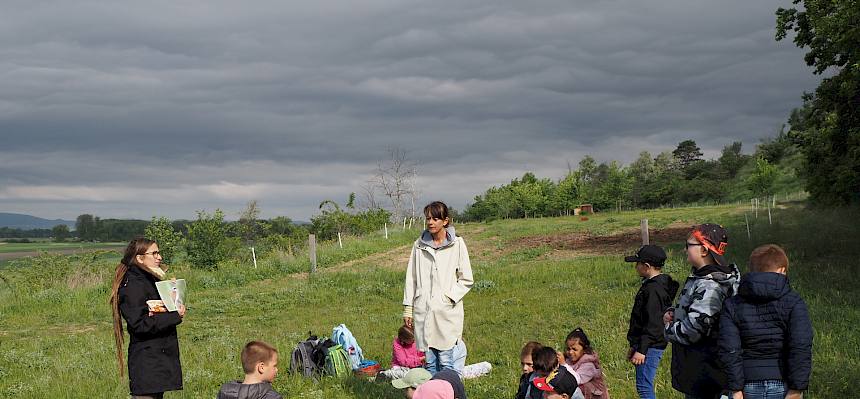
(248, 226)
(395, 177)
(169, 240)
(761, 181)
(207, 240)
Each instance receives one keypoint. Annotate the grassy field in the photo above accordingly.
(536, 279)
(6, 247)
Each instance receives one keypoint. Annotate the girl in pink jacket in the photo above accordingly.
(584, 360)
(404, 354)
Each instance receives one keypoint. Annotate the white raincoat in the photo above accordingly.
(436, 281)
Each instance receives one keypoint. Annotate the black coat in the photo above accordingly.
(524, 385)
(765, 333)
(153, 350)
(646, 319)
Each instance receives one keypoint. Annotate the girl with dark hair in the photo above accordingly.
(583, 359)
(153, 348)
(438, 276)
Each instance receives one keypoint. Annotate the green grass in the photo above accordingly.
(57, 340)
(6, 247)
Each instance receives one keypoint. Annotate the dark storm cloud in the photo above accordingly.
(164, 108)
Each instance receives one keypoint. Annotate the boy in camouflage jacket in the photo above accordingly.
(692, 325)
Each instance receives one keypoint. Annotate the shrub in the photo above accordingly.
(206, 240)
(168, 239)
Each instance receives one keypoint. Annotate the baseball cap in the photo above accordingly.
(650, 254)
(559, 381)
(714, 238)
(413, 378)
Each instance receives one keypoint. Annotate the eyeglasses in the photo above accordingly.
(687, 245)
(153, 253)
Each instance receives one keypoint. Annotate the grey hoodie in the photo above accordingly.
(238, 390)
(450, 236)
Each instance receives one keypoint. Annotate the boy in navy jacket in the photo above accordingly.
(765, 339)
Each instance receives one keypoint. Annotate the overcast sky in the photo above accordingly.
(166, 107)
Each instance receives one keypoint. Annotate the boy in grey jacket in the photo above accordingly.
(692, 325)
(260, 363)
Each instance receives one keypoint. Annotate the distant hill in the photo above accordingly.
(27, 222)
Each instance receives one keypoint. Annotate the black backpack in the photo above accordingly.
(305, 357)
(309, 356)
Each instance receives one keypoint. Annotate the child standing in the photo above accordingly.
(645, 335)
(584, 360)
(404, 354)
(692, 327)
(528, 374)
(260, 363)
(765, 339)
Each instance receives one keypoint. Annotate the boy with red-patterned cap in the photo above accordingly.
(559, 384)
(692, 325)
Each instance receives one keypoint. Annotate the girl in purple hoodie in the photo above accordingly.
(584, 360)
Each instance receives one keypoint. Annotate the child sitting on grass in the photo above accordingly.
(260, 363)
(404, 354)
(546, 361)
(583, 359)
(528, 374)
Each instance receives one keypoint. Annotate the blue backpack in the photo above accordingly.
(342, 336)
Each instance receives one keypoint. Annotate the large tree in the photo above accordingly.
(827, 128)
(686, 153)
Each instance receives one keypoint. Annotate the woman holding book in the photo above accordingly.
(153, 349)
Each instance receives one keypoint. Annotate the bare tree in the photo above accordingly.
(367, 200)
(248, 221)
(394, 177)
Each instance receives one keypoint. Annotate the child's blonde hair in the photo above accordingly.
(254, 353)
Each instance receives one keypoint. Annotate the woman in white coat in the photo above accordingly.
(437, 278)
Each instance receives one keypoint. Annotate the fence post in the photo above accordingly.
(312, 250)
(643, 225)
(769, 218)
(339, 241)
(747, 219)
(254, 256)
(386, 231)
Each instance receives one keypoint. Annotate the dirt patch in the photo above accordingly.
(612, 244)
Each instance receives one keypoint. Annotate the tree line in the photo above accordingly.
(671, 178)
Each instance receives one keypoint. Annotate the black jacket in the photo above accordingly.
(646, 319)
(765, 333)
(153, 350)
(238, 390)
(534, 393)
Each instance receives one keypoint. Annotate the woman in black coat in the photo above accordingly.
(153, 350)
